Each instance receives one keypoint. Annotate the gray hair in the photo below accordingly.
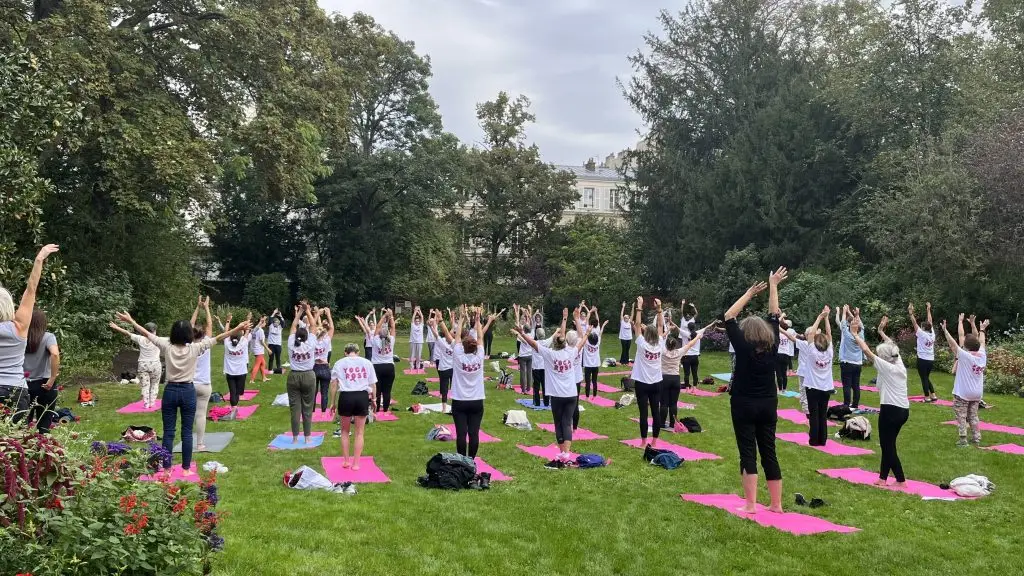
(150, 327)
(540, 334)
(572, 338)
(6, 305)
(888, 351)
(351, 349)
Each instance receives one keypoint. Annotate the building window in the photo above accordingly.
(613, 196)
(588, 198)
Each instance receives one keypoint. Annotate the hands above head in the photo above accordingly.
(779, 276)
(45, 252)
(756, 288)
(125, 317)
(984, 325)
(640, 302)
(657, 303)
(910, 308)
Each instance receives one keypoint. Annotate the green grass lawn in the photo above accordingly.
(627, 518)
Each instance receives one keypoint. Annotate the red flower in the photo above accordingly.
(55, 503)
(131, 530)
(142, 521)
(179, 505)
(127, 503)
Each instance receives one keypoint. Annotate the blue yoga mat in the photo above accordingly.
(724, 376)
(284, 442)
(529, 404)
(789, 394)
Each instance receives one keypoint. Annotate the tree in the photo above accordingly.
(512, 196)
(592, 263)
(267, 292)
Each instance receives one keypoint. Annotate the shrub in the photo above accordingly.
(266, 292)
(316, 287)
(999, 383)
(714, 341)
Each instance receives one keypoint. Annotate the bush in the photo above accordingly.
(999, 383)
(267, 292)
(714, 341)
(76, 513)
(316, 287)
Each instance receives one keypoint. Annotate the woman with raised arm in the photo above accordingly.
(369, 327)
(14, 326)
(784, 359)
(625, 333)
(562, 386)
(489, 334)
(676, 350)
(416, 339)
(301, 385)
(895, 407)
(203, 381)
(274, 342)
(969, 383)
(754, 399)
(257, 344)
(42, 365)
(322, 355)
(646, 373)
(382, 343)
(468, 385)
(691, 359)
(925, 350)
(816, 353)
(592, 352)
(352, 390)
(181, 353)
(851, 359)
(443, 354)
(148, 367)
(236, 366)
(524, 355)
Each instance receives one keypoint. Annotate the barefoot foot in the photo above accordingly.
(355, 466)
(776, 509)
(747, 510)
(346, 464)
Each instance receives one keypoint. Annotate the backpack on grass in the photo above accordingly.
(625, 400)
(839, 412)
(691, 424)
(448, 471)
(420, 389)
(856, 428)
(590, 461)
(626, 383)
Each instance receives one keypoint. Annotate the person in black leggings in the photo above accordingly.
(754, 399)
(382, 340)
(895, 406)
(646, 373)
(625, 333)
(538, 369)
(468, 385)
(443, 353)
(925, 351)
(784, 359)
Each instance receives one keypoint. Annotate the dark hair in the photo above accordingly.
(301, 335)
(181, 333)
(198, 333)
(36, 331)
(351, 349)
(469, 344)
(673, 341)
(235, 339)
(926, 326)
(972, 343)
(692, 329)
(593, 322)
(592, 339)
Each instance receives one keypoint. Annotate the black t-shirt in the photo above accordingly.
(755, 371)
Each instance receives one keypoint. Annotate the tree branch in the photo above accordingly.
(185, 20)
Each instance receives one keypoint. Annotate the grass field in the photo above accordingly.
(627, 518)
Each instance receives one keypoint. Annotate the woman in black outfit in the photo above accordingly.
(754, 399)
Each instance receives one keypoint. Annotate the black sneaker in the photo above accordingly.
(816, 503)
(555, 464)
(337, 433)
(485, 480)
(800, 500)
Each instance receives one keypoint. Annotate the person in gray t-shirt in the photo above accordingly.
(42, 365)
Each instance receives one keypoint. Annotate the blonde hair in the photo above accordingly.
(651, 333)
(6, 305)
(821, 342)
(758, 333)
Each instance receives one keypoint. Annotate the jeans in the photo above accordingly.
(850, 375)
(538, 388)
(274, 362)
(817, 417)
(179, 396)
(924, 370)
(754, 420)
(890, 420)
(669, 399)
(43, 403)
(649, 395)
(468, 414)
(624, 357)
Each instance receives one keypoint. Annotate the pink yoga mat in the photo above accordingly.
(246, 396)
(319, 416)
(860, 476)
(1008, 449)
(578, 434)
(681, 451)
(175, 474)
(485, 438)
(606, 388)
(136, 408)
(245, 411)
(496, 475)
(650, 424)
(698, 392)
(411, 372)
(868, 389)
(988, 427)
(831, 446)
(548, 452)
(797, 417)
(435, 393)
(616, 373)
(945, 403)
(367, 473)
(434, 380)
(384, 417)
(598, 401)
(832, 403)
(799, 524)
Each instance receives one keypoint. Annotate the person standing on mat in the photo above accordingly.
(625, 333)
(42, 366)
(525, 354)
(489, 334)
(969, 383)
(382, 343)
(431, 340)
(301, 384)
(274, 342)
(646, 373)
(562, 386)
(443, 355)
(592, 353)
(671, 361)
(416, 339)
(816, 354)
(371, 322)
(236, 366)
(257, 345)
(540, 373)
(468, 385)
(353, 380)
(784, 359)
(148, 368)
(925, 350)
(754, 400)
(181, 354)
(322, 355)
(202, 381)
(894, 410)
(851, 359)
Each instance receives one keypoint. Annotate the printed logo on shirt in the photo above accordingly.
(978, 370)
(385, 351)
(562, 366)
(300, 356)
(652, 356)
(591, 349)
(236, 352)
(355, 374)
(929, 343)
(470, 367)
(821, 363)
(783, 339)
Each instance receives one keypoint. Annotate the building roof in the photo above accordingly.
(582, 173)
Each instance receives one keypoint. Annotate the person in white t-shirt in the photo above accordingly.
(257, 342)
(431, 339)
(382, 342)
(784, 358)
(274, 342)
(468, 384)
(203, 380)
(371, 322)
(236, 366)
(301, 385)
(625, 332)
(895, 407)
(353, 381)
(525, 318)
(540, 369)
(676, 348)
(592, 353)
(416, 339)
(560, 380)
(646, 373)
(925, 350)
(816, 354)
(969, 383)
(322, 354)
(444, 354)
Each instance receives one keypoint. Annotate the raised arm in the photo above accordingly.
(195, 313)
(565, 318)
(954, 347)
(330, 323)
(622, 311)
(972, 322)
(242, 327)
(981, 332)
(928, 311)
(774, 280)
(116, 328)
(660, 322)
(638, 318)
(583, 339)
(295, 322)
(392, 325)
(734, 311)
(490, 320)
(960, 329)
(864, 346)
(913, 318)
(23, 315)
(522, 335)
(881, 329)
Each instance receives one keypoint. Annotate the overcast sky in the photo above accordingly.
(563, 54)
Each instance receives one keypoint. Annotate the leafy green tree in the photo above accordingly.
(267, 292)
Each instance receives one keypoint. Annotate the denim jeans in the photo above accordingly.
(179, 396)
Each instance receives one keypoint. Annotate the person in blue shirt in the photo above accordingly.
(851, 357)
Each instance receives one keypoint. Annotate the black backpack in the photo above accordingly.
(420, 389)
(691, 424)
(652, 453)
(448, 472)
(839, 412)
(626, 383)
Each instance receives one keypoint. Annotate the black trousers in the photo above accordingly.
(753, 420)
(43, 404)
(367, 352)
(323, 384)
(924, 370)
(445, 376)
(576, 412)
(783, 363)
(236, 387)
(385, 382)
(669, 399)
(890, 420)
(467, 415)
(817, 405)
(274, 358)
(624, 357)
(689, 368)
(648, 395)
(850, 375)
(15, 398)
(590, 381)
(562, 410)
(538, 388)
(488, 341)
